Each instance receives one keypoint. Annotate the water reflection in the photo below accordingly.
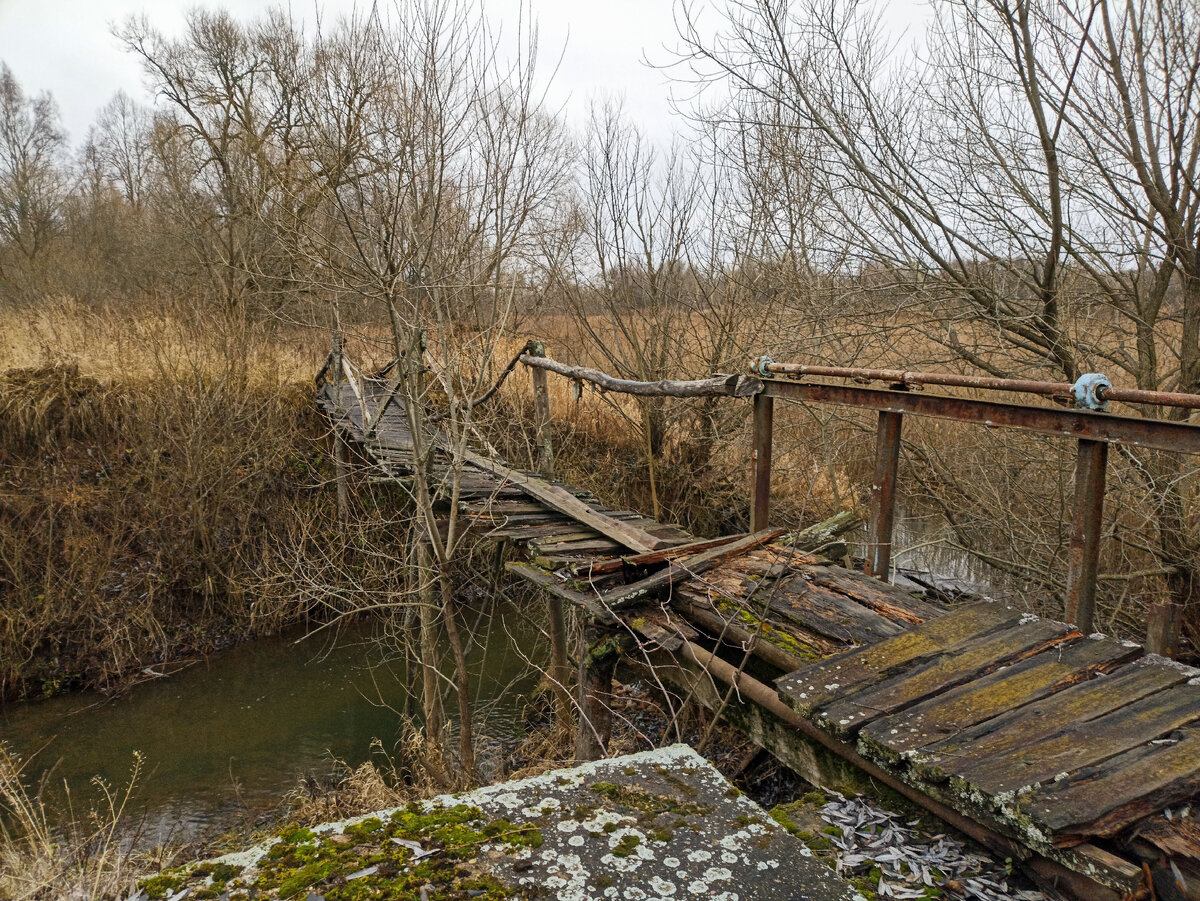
(232, 734)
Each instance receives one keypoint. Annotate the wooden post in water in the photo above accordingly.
(883, 495)
(1084, 553)
(598, 653)
(560, 673)
(541, 407)
(760, 487)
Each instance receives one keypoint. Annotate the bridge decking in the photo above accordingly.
(1041, 733)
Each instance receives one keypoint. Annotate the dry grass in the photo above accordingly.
(147, 464)
(89, 858)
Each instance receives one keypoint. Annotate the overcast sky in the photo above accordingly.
(66, 47)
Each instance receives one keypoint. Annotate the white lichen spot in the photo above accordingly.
(698, 887)
(662, 886)
(510, 800)
(567, 825)
(728, 857)
(699, 856)
(575, 841)
(713, 874)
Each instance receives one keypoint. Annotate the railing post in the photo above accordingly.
(1085, 539)
(883, 494)
(1163, 627)
(541, 407)
(764, 416)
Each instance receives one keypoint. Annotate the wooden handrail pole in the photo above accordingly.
(541, 407)
(883, 494)
(764, 416)
(1084, 554)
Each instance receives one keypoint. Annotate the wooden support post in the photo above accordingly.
(541, 406)
(598, 653)
(883, 495)
(1162, 629)
(1085, 540)
(764, 416)
(560, 674)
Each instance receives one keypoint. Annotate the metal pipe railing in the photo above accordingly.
(1090, 393)
(1091, 385)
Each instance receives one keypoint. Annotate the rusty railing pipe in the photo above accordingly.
(911, 379)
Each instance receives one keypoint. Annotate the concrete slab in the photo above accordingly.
(657, 825)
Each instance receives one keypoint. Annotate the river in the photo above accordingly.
(228, 737)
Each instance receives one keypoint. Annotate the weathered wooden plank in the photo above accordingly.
(1104, 799)
(815, 686)
(932, 675)
(772, 641)
(576, 548)
(827, 613)
(676, 570)
(1058, 667)
(1077, 745)
(1032, 722)
(547, 582)
(563, 501)
(639, 561)
(663, 631)
(894, 603)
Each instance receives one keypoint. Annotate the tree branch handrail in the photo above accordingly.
(716, 386)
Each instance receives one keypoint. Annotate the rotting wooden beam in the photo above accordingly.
(773, 723)
(676, 570)
(548, 582)
(600, 649)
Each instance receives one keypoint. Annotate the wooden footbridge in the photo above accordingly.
(1074, 754)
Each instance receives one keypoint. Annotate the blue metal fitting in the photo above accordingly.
(1089, 391)
(760, 364)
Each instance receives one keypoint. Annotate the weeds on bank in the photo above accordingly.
(89, 858)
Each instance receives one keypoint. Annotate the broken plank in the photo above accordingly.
(1103, 800)
(931, 676)
(826, 613)
(817, 685)
(638, 561)
(1066, 663)
(558, 498)
(548, 582)
(651, 586)
(1075, 745)
(1030, 723)
(894, 603)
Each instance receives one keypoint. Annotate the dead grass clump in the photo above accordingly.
(47, 405)
(86, 859)
(145, 479)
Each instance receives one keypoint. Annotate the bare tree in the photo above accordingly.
(1024, 191)
(33, 184)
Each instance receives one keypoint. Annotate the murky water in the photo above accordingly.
(231, 735)
(921, 544)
